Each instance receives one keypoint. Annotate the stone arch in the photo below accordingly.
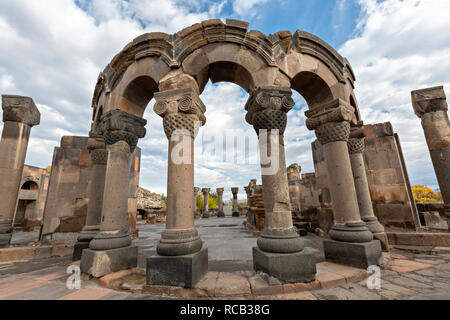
(222, 51)
(29, 185)
(312, 88)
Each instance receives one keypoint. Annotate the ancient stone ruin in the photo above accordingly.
(359, 188)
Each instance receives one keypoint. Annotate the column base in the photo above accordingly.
(78, 250)
(286, 267)
(180, 271)
(351, 232)
(5, 239)
(373, 225)
(383, 240)
(206, 214)
(235, 214)
(102, 262)
(221, 214)
(359, 255)
(196, 215)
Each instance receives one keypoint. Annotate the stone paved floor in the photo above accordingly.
(412, 272)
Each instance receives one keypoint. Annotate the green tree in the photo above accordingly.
(212, 201)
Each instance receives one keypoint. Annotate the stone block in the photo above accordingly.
(102, 262)
(383, 240)
(286, 267)
(359, 255)
(78, 250)
(181, 271)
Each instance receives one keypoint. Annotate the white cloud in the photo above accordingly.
(401, 46)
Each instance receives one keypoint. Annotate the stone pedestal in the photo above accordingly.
(181, 271)
(356, 148)
(102, 262)
(99, 157)
(331, 122)
(358, 255)
(20, 114)
(221, 213)
(205, 192)
(279, 245)
(288, 268)
(431, 106)
(182, 112)
(235, 210)
(121, 131)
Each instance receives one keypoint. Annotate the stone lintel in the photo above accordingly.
(357, 130)
(286, 267)
(428, 100)
(359, 255)
(181, 271)
(336, 110)
(115, 120)
(20, 109)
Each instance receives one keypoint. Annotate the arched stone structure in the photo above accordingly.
(175, 69)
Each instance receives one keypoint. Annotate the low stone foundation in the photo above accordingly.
(438, 239)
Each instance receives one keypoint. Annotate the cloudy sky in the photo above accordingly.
(53, 50)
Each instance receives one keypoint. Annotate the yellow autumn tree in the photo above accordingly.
(425, 194)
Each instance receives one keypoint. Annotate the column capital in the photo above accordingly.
(234, 190)
(428, 100)
(356, 143)
(20, 109)
(267, 107)
(293, 172)
(118, 125)
(206, 190)
(219, 190)
(196, 190)
(180, 109)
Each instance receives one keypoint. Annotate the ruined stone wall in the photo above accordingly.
(389, 185)
(32, 195)
(66, 205)
(388, 180)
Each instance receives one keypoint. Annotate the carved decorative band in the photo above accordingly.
(99, 156)
(180, 121)
(270, 119)
(111, 137)
(355, 145)
(333, 131)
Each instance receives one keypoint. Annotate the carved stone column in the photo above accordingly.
(355, 149)
(235, 209)
(205, 192)
(280, 252)
(220, 214)
(99, 157)
(111, 250)
(181, 261)
(352, 243)
(431, 106)
(293, 173)
(196, 190)
(19, 116)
